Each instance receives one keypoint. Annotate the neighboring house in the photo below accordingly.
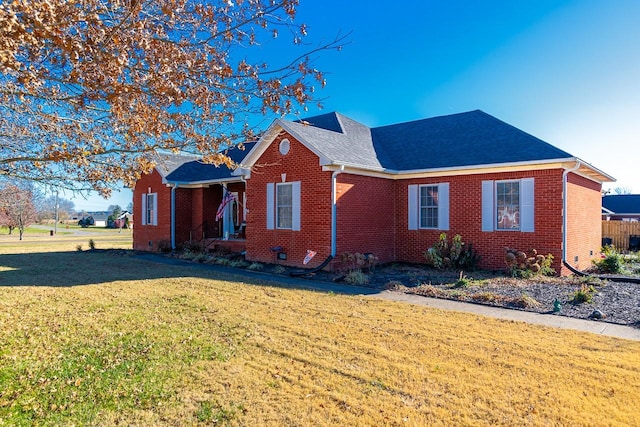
(621, 207)
(96, 219)
(333, 185)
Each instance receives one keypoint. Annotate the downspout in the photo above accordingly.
(173, 217)
(565, 177)
(334, 211)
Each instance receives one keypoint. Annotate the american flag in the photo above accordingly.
(228, 197)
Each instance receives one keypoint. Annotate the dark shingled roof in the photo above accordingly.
(474, 138)
(197, 171)
(622, 203)
(465, 139)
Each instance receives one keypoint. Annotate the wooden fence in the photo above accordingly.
(620, 232)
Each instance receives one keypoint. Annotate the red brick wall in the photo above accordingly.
(184, 206)
(147, 237)
(366, 216)
(465, 218)
(300, 164)
(584, 221)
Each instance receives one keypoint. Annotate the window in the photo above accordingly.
(284, 205)
(150, 209)
(428, 206)
(508, 205)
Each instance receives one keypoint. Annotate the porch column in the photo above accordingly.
(227, 219)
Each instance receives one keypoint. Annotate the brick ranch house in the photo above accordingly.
(333, 185)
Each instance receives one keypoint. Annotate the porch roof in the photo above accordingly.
(198, 172)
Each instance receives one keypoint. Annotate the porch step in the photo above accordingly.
(231, 245)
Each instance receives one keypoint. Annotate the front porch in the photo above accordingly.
(211, 216)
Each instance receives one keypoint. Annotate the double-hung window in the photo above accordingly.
(508, 205)
(283, 206)
(150, 209)
(428, 206)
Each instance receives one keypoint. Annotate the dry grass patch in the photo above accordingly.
(146, 344)
(38, 240)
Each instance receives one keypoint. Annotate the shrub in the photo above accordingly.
(525, 301)
(612, 261)
(524, 266)
(238, 263)
(192, 246)
(200, 257)
(79, 248)
(220, 260)
(584, 294)
(164, 246)
(92, 244)
(356, 277)
(358, 261)
(444, 255)
(255, 266)
(187, 255)
(278, 269)
(463, 282)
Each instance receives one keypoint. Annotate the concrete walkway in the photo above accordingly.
(550, 320)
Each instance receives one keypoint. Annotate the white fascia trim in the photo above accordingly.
(482, 168)
(604, 177)
(261, 146)
(462, 170)
(241, 171)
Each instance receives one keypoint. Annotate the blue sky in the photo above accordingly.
(567, 72)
